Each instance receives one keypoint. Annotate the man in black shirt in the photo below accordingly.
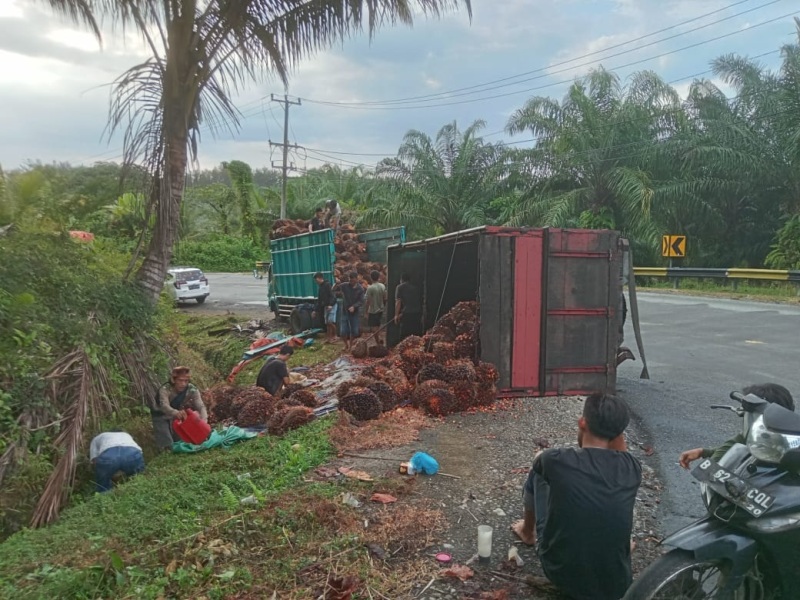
(317, 223)
(326, 305)
(579, 506)
(275, 374)
(352, 301)
(408, 307)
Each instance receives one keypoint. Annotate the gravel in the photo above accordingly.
(489, 455)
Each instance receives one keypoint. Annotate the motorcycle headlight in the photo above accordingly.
(767, 445)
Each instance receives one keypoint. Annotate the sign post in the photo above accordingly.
(673, 246)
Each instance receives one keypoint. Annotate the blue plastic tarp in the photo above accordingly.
(224, 438)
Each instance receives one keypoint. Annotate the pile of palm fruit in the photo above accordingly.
(251, 406)
(351, 254)
(439, 373)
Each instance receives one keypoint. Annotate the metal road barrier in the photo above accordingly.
(733, 275)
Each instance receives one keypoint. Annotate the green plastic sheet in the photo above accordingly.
(224, 438)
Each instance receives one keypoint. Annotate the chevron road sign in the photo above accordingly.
(673, 246)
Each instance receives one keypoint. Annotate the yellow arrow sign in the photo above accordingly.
(673, 246)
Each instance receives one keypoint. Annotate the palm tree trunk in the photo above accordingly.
(169, 192)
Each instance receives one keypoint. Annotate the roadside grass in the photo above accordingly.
(768, 291)
(113, 544)
(198, 349)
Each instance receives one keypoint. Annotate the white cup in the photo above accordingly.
(484, 541)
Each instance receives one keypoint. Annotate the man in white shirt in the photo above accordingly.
(112, 452)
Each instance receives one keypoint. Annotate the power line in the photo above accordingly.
(452, 93)
(287, 103)
(541, 87)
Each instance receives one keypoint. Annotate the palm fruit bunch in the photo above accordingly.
(362, 403)
(485, 393)
(459, 370)
(389, 399)
(435, 398)
(412, 360)
(464, 346)
(465, 394)
(290, 389)
(219, 399)
(286, 228)
(440, 333)
(463, 311)
(256, 412)
(443, 351)
(305, 397)
(360, 349)
(398, 382)
(290, 418)
(343, 388)
(247, 395)
(412, 341)
(420, 391)
(432, 370)
(486, 372)
(287, 402)
(378, 351)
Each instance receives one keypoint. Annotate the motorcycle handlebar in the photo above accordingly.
(738, 396)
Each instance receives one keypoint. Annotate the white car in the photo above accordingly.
(187, 283)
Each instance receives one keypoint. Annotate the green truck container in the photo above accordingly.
(295, 259)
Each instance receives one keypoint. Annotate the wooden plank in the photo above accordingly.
(491, 301)
(527, 312)
(505, 249)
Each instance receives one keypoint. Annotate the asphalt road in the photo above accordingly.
(698, 350)
(235, 291)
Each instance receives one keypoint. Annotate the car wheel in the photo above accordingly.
(201, 299)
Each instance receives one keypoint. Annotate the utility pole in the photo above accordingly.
(285, 167)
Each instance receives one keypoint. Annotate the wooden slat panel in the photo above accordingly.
(496, 297)
(527, 311)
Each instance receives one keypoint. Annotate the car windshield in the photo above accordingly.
(188, 275)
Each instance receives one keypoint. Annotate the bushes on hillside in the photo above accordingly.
(221, 253)
(72, 339)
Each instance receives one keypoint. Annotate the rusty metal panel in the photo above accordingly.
(526, 355)
(582, 296)
(496, 298)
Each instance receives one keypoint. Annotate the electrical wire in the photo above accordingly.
(547, 69)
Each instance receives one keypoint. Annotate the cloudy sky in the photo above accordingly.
(359, 98)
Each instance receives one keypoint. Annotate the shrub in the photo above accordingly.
(221, 253)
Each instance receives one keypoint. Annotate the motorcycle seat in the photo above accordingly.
(781, 420)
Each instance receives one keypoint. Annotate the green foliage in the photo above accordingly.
(219, 253)
(785, 253)
(58, 294)
(441, 185)
(176, 497)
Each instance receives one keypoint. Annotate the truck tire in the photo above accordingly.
(299, 320)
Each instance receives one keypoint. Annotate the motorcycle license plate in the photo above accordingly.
(733, 488)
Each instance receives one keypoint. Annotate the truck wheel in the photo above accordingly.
(299, 320)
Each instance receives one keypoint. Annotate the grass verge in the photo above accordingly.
(113, 545)
(767, 291)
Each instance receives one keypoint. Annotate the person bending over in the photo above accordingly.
(274, 375)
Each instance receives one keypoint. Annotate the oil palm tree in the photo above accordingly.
(200, 51)
(439, 185)
(591, 162)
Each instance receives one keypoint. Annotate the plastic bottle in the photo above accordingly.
(423, 463)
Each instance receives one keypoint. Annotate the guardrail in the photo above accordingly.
(733, 275)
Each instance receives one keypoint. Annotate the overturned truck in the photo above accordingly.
(550, 301)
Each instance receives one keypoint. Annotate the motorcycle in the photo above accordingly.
(747, 547)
